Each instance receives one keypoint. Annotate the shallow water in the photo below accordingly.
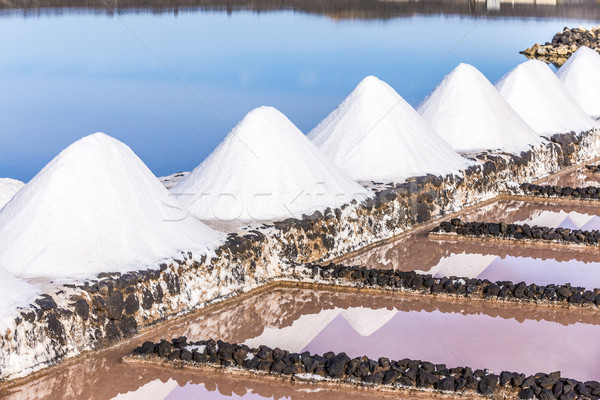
(580, 177)
(456, 332)
(499, 260)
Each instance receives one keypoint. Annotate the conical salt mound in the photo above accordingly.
(95, 207)
(540, 98)
(375, 135)
(581, 76)
(265, 169)
(8, 188)
(470, 114)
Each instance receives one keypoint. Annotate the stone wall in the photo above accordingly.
(75, 319)
(399, 375)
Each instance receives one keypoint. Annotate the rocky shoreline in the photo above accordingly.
(564, 44)
(399, 375)
(73, 319)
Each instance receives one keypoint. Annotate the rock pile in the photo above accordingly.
(503, 230)
(586, 193)
(593, 168)
(564, 44)
(401, 374)
(412, 281)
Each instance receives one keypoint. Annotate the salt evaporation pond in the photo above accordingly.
(498, 260)
(580, 177)
(455, 332)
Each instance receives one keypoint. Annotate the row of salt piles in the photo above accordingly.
(97, 208)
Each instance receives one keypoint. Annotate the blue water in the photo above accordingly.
(172, 86)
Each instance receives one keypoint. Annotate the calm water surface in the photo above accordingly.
(172, 85)
(459, 332)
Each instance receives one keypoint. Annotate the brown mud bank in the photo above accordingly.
(73, 319)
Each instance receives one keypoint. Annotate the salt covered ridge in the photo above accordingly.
(15, 294)
(581, 76)
(8, 188)
(95, 208)
(375, 135)
(541, 99)
(470, 114)
(265, 169)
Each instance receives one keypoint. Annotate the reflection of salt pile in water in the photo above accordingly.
(461, 265)
(155, 390)
(555, 219)
(366, 321)
(15, 293)
(374, 134)
(540, 98)
(95, 208)
(470, 114)
(265, 169)
(8, 188)
(304, 330)
(296, 337)
(581, 76)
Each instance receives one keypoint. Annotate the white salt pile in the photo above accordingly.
(95, 207)
(265, 169)
(540, 98)
(470, 114)
(581, 76)
(173, 179)
(15, 293)
(8, 188)
(375, 135)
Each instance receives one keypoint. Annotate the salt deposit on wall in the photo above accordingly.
(15, 293)
(95, 208)
(8, 188)
(265, 169)
(581, 76)
(375, 135)
(470, 114)
(540, 98)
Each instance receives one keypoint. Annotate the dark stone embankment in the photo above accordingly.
(471, 288)
(564, 44)
(399, 375)
(593, 168)
(547, 191)
(73, 319)
(502, 230)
